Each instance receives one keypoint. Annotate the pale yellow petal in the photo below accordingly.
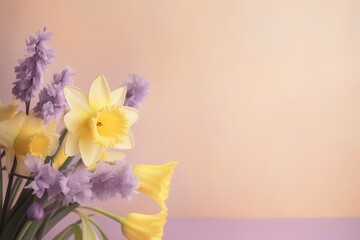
(54, 143)
(52, 125)
(18, 120)
(72, 144)
(9, 158)
(20, 167)
(89, 150)
(128, 143)
(112, 155)
(118, 96)
(132, 115)
(33, 125)
(8, 111)
(75, 120)
(8, 133)
(10, 128)
(76, 98)
(99, 95)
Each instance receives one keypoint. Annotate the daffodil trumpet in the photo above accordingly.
(155, 180)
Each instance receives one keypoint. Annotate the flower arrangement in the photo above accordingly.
(52, 173)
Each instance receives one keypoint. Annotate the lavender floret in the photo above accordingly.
(29, 73)
(137, 89)
(108, 180)
(52, 102)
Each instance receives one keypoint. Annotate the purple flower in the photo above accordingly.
(35, 212)
(108, 180)
(52, 100)
(137, 89)
(45, 175)
(32, 164)
(75, 187)
(29, 73)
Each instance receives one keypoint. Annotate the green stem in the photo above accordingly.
(105, 213)
(27, 107)
(8, 193)
(23, 230)
(41, 231)
(22, 176)
(14, 191)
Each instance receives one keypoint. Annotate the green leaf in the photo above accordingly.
(65, 234)
(32, 230)
(14, 190)
(70, 230)
(77, 232)
(103, 235)
(16, 221)
(59, 215)
(87, 231)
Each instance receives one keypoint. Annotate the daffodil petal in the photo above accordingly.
(112, 155)
(20, 166)
(90, 151)
(128, 143)
(76, 98)
(132, 114)
(18, 120)
(99, 95)
(9, 158)
(75, 120)
(8, 111)
(10, 128)
(118, 96)
(33, 125)
(72, 144)
(54, 143)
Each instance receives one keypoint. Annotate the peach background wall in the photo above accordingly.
(259, 101)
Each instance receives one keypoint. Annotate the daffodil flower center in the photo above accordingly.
(37, 145)
(109, 126)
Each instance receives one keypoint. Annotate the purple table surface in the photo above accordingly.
(244, 229)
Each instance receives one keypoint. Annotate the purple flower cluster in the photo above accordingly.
(45, 175)
(108, 180)
(80, 186)
(52, 100)
(137, 89)
(73, 187)
(29, 73)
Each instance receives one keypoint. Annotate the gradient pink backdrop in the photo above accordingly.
(257, 100)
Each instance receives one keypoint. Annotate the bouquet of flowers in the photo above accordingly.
(54, 170)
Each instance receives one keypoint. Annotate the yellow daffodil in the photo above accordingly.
(23, 135)
(155, 180)
(137, 226)
(98, 121)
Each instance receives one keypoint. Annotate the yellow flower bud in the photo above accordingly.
(155, 180)
(136, 226)
(60, 157)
